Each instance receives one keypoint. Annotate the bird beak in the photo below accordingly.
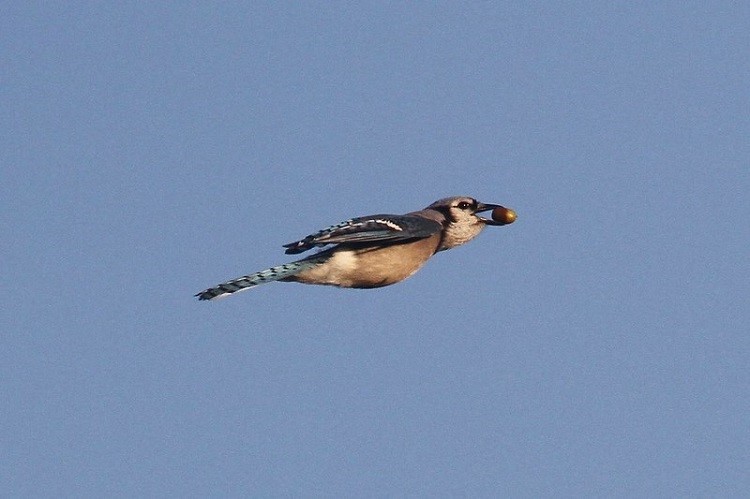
(500, 214)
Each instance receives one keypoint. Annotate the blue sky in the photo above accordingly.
(597, 347)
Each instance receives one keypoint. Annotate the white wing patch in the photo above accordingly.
(389, 224)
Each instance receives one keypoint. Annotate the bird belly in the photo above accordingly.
(370, 267)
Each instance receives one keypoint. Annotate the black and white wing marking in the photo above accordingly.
(372, 229)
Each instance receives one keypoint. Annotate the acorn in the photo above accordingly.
(503, 216)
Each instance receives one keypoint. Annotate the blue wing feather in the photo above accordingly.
(371, 229)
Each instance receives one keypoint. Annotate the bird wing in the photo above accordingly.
(371, 229)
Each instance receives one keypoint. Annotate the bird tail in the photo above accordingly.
(272, 274)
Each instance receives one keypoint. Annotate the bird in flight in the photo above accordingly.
(377, 250)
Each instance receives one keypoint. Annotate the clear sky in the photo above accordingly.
(599, 346)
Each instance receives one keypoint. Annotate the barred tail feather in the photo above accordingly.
(245, 282)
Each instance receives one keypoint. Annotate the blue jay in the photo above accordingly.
(376, 251)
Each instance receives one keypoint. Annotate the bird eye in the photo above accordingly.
(464, 205)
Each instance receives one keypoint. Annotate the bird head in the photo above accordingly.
(462, 222)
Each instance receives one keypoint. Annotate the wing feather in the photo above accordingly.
(371, 229)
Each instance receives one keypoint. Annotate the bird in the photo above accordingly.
(376, 250)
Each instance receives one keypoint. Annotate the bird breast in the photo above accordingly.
(370, 267)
